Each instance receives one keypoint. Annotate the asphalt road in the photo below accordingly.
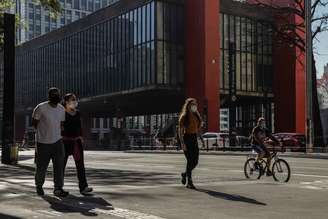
(147, 186)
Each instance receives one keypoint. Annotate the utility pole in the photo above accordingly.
(309, 50)
(8, 114)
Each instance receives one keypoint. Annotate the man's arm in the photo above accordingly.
(36, 115)
(269, 134)
(35, 123)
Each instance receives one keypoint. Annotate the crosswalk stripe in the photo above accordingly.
(49, 214)
(126, 214)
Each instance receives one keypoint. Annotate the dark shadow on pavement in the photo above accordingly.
(95, 176)
(231, 197)
(6, 216)
(84, 205)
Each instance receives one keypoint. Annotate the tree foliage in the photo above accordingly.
(290, 32)
(8, 6)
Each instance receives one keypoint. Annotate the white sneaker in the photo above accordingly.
(86, 190)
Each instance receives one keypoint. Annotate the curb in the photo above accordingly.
(288, 154)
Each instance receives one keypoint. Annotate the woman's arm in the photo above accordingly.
(80, 127)
(181, 133)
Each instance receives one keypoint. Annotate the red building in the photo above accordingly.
(203, 70)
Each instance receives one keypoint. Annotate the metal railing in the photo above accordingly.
(151, 143)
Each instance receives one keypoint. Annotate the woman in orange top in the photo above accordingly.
(189, 128)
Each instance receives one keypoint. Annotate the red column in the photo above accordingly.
(202, 57)
(289, 87)
(300, 84)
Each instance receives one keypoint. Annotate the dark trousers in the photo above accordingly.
(191, 154)
(69, 147)
(44, 153)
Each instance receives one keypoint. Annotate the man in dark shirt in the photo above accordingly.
(259, 134)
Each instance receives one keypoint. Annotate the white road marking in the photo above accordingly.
(3, 185)
(316, 185)
(310, 168)
(49, 214)
(293, 174)
(308, 175)
(13, 195)
(311, 187)
(126, 214)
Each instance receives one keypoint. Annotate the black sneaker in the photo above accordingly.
(191, 186)
(86, 191)
(256, 166)
(60, 193)
(269, 173)
(183, 180)
(39, 191)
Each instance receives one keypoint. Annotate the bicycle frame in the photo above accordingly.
(273, 156)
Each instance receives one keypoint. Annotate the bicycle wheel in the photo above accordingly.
(281, 171)
(250, 171)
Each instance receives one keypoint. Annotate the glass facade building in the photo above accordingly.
(37, 20)
(139, 48)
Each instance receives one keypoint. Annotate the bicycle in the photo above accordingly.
(280, 168)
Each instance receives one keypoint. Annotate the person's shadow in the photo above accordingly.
(86, 205)
(231, 197)
(6, 216)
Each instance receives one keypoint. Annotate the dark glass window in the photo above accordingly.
(83, 4)
(76, 4)
(97, 4)
(252, 53)
(104, 3)
(90, 5)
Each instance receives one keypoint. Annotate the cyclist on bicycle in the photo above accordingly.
(259, 134)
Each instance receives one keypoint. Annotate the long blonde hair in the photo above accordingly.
(184, 116)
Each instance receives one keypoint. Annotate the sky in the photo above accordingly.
(321, 47)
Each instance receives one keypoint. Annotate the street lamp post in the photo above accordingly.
(232, 91)
(309, 50)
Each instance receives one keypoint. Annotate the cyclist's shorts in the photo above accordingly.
(260, 149)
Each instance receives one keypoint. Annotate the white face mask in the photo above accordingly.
(73, 104)
(262, 125)
(193, 108)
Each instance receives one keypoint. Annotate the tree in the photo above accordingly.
(8, 5)
(292, 32)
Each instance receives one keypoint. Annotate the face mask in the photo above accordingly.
(193, 108)
(54, 99)
(73, 104)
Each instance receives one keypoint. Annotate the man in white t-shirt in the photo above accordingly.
(47, 119)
